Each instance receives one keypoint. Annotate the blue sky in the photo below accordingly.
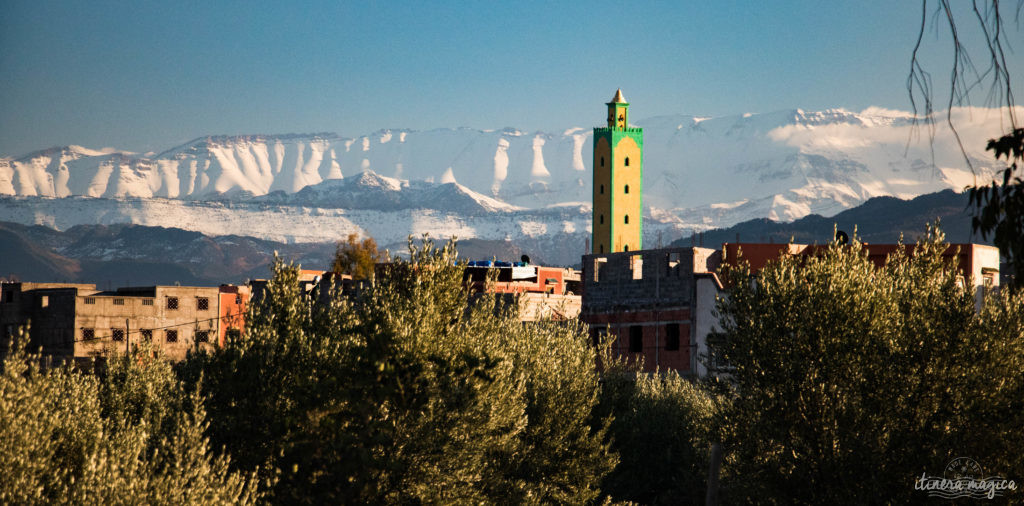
(149, 75)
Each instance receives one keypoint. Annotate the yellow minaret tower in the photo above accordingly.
(618, 182)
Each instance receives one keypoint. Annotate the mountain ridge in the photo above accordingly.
(700, 173)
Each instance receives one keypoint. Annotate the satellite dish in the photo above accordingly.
(842, 238)
(525, 259)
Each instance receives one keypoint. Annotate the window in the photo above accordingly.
(202, 303)
(673, 260)
(626, 189)
(238, 299)
(118, 302)
(627, 161)
(88, 334)
(117, 334)
(602, 220)
(625, 248)
(602, 189)
(171, 336)
(172, 303)
(202, 336)
(598, 335)
(44, 301)
(147, 302)
(627, 219)
(146, 334)
(233, 334)
(672, 337)
(636, 339)
(636, 264)
(90, 300)
(599, 264)
(602, 161)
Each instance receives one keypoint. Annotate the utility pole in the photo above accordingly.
(712, 497)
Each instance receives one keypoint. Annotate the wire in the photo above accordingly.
(138, 332)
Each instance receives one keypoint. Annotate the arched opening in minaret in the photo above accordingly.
(627, 188)
(602, 161)
(627, 161)
(602, 219)
(627, 219)
(602, 190)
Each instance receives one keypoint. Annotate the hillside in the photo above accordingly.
(879, 220)
(124, 255)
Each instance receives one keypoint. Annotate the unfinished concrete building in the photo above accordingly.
(656, 304)
(78, 322)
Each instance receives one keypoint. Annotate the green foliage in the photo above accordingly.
(357, 257)
(849, 381)
(663, 430)
(407, 394)
(130, 436)
(999, 208)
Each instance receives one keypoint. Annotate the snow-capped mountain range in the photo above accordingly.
(500, 184)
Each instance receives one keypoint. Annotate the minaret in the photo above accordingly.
(618, 182)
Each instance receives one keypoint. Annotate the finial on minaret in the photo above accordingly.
(618, 97)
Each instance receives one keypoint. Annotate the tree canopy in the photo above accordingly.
(847, 381)
(357, 258)
(406, 394)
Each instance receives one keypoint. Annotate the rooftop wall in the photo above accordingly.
(652, 277)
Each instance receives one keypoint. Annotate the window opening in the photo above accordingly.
(636, 339)
(672, 337)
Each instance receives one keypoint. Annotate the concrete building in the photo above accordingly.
(79, 322)
(656, 304)
(978, 263)
(45, 305)
(543, 292)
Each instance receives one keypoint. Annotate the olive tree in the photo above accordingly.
(846, 381)
(408, 392)
(127, 435)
